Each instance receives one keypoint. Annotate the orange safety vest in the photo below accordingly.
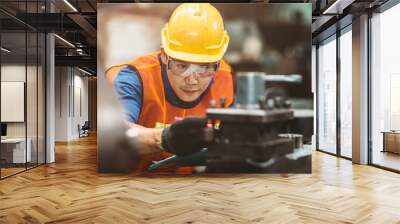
(155, 107)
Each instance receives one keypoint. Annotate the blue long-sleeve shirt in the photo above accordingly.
(129, 91)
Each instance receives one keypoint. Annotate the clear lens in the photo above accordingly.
(185, 69)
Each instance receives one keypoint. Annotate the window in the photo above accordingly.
(346, 93)
(385, 88)
(327, 96)
(22, 67)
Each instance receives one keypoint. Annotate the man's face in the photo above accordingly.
(189, 80)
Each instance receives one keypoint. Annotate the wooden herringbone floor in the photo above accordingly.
(71, 191)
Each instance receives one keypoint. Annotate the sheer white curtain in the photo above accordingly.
(327, 96)
(346, 93)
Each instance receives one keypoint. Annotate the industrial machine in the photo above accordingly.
(254, 136)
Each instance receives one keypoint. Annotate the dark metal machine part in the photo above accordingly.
(250, 139)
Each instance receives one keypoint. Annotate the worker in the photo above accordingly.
(166, 93)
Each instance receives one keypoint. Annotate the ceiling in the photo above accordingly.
(76, 22)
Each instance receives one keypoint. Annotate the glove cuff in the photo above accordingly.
(164, 140)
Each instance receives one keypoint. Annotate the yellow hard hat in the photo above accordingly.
(195, 33)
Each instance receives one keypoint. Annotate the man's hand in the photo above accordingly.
(185, 137)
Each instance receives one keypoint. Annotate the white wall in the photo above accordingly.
(12, 101)
(62, 81)
(13, 73)
(80, 103)
(71, 94)
(33, 126)
(17, 73)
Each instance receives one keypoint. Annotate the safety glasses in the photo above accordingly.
(185, 69)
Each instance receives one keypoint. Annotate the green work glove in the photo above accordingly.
(185, 137)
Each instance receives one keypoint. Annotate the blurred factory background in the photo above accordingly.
(261, 37)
